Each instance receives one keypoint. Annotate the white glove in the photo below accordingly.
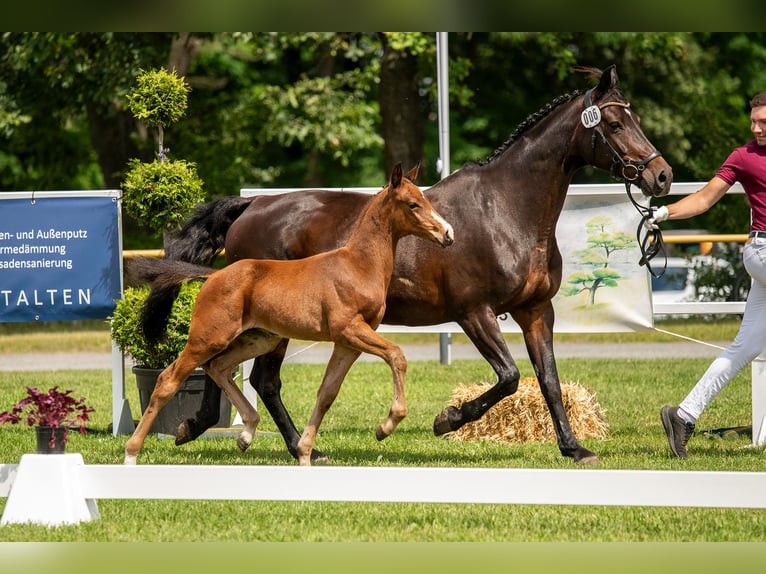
(658, 215)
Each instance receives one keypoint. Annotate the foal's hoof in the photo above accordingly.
(243, 444)
(446, 421)
(380, 434)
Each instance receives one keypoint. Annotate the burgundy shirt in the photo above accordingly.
(747, 165)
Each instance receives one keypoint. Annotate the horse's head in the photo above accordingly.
(413, 213)
(617, 143)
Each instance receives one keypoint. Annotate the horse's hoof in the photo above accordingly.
(584, 456)
(184, 433)
(442, 423)
(319, 456)
(591, 460)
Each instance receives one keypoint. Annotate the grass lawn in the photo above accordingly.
(630, 391)
(371, 538)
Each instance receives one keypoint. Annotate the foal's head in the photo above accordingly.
(413, 214)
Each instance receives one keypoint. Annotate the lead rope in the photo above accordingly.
(299, 351)
(652, 243)
(693, 340)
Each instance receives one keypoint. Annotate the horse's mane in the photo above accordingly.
(527, 124)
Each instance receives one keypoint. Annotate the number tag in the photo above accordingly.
(591, 117)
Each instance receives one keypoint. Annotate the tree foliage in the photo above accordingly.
(296, 109)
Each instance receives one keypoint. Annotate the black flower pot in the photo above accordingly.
(51, 440)
(184, 405)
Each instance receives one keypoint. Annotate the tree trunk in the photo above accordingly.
(182, 53)
(400, 109)
(110, 136)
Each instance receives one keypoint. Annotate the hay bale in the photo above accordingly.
(524, 416)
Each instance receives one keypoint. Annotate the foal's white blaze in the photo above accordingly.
(449, 233)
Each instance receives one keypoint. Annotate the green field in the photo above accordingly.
(630, 391)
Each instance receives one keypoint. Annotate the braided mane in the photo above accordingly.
(532, 120)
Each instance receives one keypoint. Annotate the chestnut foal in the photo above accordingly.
(245, 309)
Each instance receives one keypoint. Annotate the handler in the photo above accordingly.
(747, 165)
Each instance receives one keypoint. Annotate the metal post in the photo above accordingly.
(442, 79)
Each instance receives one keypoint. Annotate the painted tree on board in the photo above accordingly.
(602, 242)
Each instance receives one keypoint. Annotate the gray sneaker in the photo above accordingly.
(677, 429)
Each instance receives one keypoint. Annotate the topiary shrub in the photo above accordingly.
(159, 194)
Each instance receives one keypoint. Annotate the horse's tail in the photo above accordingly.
(202, 236)
(166, 278)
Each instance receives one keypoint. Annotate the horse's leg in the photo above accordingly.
(340, 362)
(168, 383)
(482, 328)
(362, 337)
(266, 381)
(204, 418)
(537, 326)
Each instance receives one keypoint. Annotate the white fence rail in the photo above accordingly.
(61, 489)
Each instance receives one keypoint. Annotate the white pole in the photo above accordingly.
(443, 164)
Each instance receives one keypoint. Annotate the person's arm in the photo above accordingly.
(694, 204)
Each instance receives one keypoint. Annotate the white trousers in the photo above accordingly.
(749, 342)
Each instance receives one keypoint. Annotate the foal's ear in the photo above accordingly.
(412, 175)
(396, 176)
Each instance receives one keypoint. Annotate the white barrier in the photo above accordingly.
(71, 488)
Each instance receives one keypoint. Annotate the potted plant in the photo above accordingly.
(158, 195)
(52, 413)
(150, 360)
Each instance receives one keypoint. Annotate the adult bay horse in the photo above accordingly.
(247, 308)
(505, 211)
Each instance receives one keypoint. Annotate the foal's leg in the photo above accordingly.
(340, 362)
(246, 346)
(168, 383)
(267, 382)
(362, 337)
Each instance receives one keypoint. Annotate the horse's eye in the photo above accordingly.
(413, 205)
(615, 125)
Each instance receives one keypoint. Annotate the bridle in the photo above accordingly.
(629, 171)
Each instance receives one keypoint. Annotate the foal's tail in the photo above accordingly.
(166, 278)
(202, 236)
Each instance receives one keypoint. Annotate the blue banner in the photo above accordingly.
(59, 257)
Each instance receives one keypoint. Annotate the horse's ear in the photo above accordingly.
(608, 81)
(412, 175)
(396, 176)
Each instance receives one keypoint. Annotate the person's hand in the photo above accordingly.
(659, 214)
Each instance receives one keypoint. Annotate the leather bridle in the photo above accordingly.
(629, 171)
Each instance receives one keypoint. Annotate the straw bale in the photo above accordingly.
(524, 416)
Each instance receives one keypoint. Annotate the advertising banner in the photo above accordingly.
(60, 256)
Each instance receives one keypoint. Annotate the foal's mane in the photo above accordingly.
(532, 120)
